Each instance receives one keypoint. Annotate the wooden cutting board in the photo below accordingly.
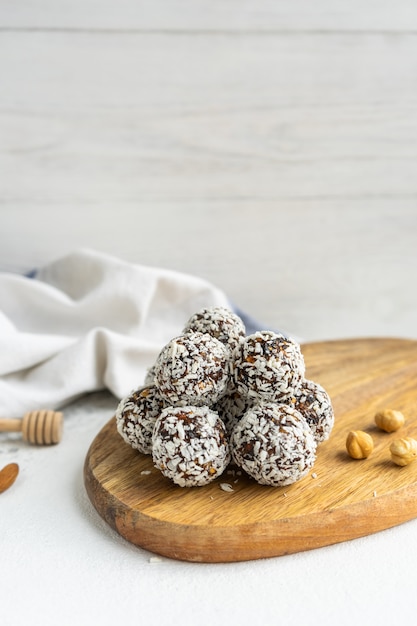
(340, 499)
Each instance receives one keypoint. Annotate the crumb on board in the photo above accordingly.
(146, 472)
(314, 475)
(226, 487)
(155, 559)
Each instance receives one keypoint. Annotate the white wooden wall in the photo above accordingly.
(270, 147)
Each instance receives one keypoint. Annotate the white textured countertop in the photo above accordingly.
(267, 147)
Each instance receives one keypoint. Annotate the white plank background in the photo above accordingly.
(194, 15)
(269, 147)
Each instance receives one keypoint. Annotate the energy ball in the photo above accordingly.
(150, 375)
(190, 445)
(231, 408)
(136, 416)
(268, 366)
(273, 444)
(192, 369)
(218, 322)
(314, 403)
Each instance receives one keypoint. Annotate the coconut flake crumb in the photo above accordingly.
(146, 472)
(314, 475)
(226, 487)
(155, 559)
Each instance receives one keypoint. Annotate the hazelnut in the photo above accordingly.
(359, 444)
(403, 451)
(389, 420)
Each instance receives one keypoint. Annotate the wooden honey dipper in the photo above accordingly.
(41, 427)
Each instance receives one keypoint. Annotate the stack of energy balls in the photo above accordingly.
(216, 395)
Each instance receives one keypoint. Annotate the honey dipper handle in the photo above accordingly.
(10, 425)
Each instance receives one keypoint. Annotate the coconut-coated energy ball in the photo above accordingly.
(231, 407)
(268, 366)
(190, 445)
(219, 322)
(273, 444)
(150, 375)
(314, 403)
(192, 369)
(136, 416)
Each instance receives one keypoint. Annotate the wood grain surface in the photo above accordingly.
(340, 499)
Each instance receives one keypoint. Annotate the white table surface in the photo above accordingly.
(269, 147)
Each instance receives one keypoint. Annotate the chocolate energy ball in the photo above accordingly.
(273, 444)
(150, 375)
(192, 369)
(231, 408)
(219, 322)
(136, 416)
(314, 403)
(268, 366)
(190, 445)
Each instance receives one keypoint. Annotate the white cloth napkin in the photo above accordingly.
(87, 322)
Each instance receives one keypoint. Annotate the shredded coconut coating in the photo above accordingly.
(219, 322)
(314, 403)
(150, 375)
(273, 444)
(268, 366)
(192, 369)
(231, 408)
(136, 416)
(190, 445)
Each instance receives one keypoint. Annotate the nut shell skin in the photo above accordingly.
(8, 475)
(389, 420)
(403, 451)
(359, 445)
